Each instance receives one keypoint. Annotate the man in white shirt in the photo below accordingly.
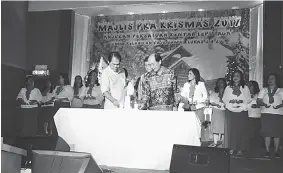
(113, 82)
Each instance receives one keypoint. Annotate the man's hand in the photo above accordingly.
(267, 106)
(116, 103)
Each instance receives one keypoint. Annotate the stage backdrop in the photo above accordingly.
(215, 42)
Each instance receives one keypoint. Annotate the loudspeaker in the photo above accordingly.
(255, 165)
(40, 143)
(63, 162)
(192, 159)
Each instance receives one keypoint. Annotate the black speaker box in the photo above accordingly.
(40, 143)
(63, 162)
(255, 165)
(193, 159)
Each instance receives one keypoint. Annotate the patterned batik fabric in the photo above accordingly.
(159, 90)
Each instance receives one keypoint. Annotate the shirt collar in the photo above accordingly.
(112, 71)
(160, 71)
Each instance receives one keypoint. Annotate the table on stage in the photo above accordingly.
(128, 138)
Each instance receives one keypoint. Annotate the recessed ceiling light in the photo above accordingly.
(235, 7)
(130, 13)
(101, 15)
(201, 9)
(164, 11)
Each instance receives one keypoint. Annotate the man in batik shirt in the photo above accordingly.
(159, 87)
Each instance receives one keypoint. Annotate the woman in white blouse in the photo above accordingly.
(236, 98)
(77, 101)
(47, 111)
(270, 99)
(254, 117)
(63, 92)
(47, 93)
(91, 95)
(218, 111)
(29, 97)
(194, 94)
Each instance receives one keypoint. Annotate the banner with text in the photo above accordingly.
(215, 42)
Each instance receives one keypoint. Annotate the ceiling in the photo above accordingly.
(164, 7)
(94, 8)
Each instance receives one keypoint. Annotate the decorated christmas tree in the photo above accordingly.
(232, 66)
(234, 61)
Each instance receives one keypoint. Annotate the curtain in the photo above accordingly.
(80, 57)
(256, 45)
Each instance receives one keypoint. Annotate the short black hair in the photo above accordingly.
(114, 54)
(196, 73)
(157, 57)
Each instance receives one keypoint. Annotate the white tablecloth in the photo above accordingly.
(128, 138)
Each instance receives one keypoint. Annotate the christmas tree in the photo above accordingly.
(231, 68)
(233, 61)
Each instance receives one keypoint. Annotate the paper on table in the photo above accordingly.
(29, 106)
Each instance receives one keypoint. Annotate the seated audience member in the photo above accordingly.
(91, 94)
(218, 111)
(254, 117)
(78, 88)
(236, 98)
(63, 92)
(29, 96)
(47, 111)
(270, 99)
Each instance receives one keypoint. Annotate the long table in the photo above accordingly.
(128, 138)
